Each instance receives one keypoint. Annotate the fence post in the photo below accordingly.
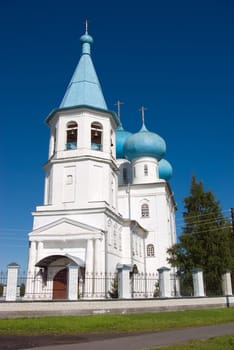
(164, 282)
(227, 283)
(124, 281)
(73, 271)
(12, 277)
(198, 283)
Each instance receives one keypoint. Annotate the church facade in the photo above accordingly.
(107, 204)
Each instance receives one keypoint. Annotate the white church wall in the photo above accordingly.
(145, 170)
(159, 223)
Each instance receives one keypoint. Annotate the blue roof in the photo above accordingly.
(121, 136)
(144, 144)
(84, 87)
(164, 170)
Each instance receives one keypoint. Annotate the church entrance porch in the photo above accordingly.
(57, 277)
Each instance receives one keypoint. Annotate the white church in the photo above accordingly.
(108, 207)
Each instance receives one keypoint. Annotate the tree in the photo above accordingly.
(206, 241)
(113, 293)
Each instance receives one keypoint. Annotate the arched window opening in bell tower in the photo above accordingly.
(144, 210)
(150, 250)
(96, 136)
(145, 169)
(72, 132)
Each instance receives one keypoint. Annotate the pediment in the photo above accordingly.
(65, 226)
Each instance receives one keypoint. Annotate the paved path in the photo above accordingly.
(145, 341)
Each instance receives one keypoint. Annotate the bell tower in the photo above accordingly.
(81, 169)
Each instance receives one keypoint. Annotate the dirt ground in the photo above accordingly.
(15, 342)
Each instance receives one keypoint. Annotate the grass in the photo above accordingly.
(217, 343)
(131, 323)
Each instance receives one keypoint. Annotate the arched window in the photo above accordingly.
(150, 250)
(72, 132)
(144, 210)
(96, 136)
(145, 169)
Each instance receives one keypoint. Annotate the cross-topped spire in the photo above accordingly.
(142, 110)
(118, 104)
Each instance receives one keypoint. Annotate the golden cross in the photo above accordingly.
(142, 110)
(118, 104)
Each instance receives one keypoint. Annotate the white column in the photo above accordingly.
(29, 291)
(98, 278)
(198, 283)
(39, 250)
(164, 282)
(99, 268)
(89, 268)
(227, 283)
(32, 257)
(97, 255)
(52, 144)
(73, 271)
(124, 281)
(12, 276)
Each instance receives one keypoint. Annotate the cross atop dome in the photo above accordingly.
(86, 25)
(142, 110)
(118, 104)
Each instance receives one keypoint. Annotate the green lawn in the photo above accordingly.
(131, 323)
(216, 343)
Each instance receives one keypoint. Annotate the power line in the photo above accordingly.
(203, 222)
(214, 229)
(197, 216)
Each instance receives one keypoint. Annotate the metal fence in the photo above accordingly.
(41, 286)
(182, 285)
(90, 285)
(144, 285)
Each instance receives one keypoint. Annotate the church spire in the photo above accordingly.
(84, 88)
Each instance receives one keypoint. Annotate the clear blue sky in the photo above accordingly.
(173, 57)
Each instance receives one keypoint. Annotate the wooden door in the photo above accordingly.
(60, 285)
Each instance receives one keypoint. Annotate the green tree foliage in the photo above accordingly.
(206, 241)
(113, 293)
(22, 289)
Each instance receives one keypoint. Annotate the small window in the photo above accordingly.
(150, 250)
(144, 210)
(72, 132)
(125, 175)
(96, 136)
(134, 171)
(69, 180)
(145, 169)
(112, 141)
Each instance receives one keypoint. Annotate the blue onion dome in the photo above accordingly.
(121, 136)
(144, 144)
(86, 41)
(86, 38)
(164, 170)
